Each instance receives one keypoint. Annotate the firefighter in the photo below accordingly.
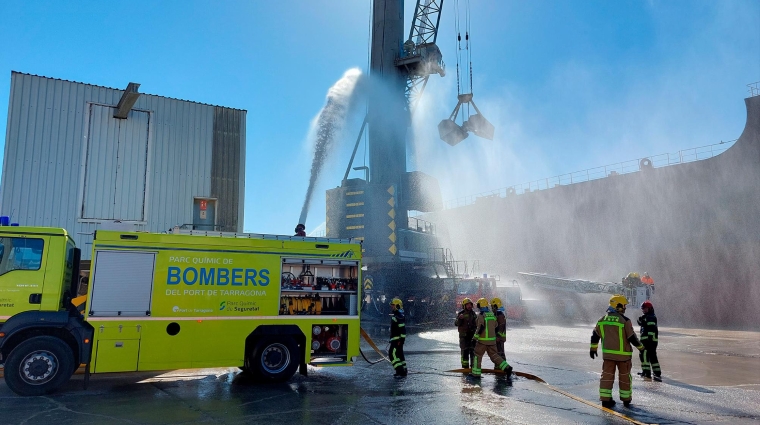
(398, 336)
(465, 323)
(501, 326)
(300, 230)
(649, 334)
(485, 341)
(647, 279)
(617, 335)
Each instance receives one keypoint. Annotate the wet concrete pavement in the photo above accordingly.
(710, 377)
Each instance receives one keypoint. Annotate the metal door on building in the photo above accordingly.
(204, 214)
(116, 165)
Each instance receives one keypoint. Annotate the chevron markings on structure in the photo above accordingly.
(392, 224)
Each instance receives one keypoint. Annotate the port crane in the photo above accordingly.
(398, 248)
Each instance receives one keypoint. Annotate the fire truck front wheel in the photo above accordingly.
(39, 366)
(275, 358)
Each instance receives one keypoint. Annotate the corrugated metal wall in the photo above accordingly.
(48, 163)
(226, 165)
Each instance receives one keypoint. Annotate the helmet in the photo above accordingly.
(633, 275)
(482, 303)
(647, 304)
(300, 227)
(466, 301)
(496, 302)
(646, 274)
(397, 302)
(618, 299)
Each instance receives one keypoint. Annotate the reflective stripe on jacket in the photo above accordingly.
(398, 326)
(648, 330)
(486, 334)
(501, 325)
(617, 334)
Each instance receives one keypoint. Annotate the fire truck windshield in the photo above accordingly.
(467, 287)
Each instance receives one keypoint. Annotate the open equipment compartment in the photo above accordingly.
(319, 287)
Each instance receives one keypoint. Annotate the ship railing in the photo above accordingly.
(754, 89)
(419, 225)
(611, 170)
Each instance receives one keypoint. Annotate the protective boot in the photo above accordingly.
(608, 403)
(627, 403)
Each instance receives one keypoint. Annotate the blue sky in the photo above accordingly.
(569, 84)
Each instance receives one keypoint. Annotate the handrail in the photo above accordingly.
(754, 89)
(625, 167)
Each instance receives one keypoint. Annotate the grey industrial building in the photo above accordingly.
(85, 157)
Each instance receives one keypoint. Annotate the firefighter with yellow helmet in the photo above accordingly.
(617, 336)
(485, 341)
(501, 325)
(398, 336)
(465, 323)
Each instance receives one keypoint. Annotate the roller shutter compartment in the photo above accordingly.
(122, 283)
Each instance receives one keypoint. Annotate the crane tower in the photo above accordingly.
(375, 209)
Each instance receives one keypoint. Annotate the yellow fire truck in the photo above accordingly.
(268, 304)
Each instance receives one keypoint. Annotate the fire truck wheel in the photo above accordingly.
(275, 358)
(39, 366)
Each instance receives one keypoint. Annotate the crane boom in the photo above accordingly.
(633, 289)
(421, 57)
(422, 23)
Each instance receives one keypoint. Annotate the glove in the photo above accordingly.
(593, 353)
(641, 348)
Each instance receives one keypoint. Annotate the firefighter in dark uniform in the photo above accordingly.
(648, 336)
(617, 335)
(398, 336)
(485, 337)
(300, 230)
(501, 326)
(465, 323)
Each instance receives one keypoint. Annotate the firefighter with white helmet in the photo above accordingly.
(501, 325)
(485, 338)
(617, 335)
(465, 323)
(398, 336)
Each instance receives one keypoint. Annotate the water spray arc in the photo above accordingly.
(328, 127)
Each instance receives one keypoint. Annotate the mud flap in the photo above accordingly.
(86, 376)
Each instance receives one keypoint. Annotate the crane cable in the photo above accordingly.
(469, 51)
(463, 82)
(458, 45)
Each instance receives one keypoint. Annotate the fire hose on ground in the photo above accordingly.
(498, 372)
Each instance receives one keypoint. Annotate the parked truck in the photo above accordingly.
(486, 287)
(267, 304)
